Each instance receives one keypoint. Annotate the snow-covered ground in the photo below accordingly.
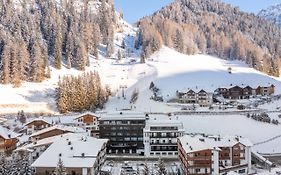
(171, 71)
(168, 69)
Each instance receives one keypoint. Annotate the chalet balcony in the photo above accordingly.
(199, 158)
(233, 168)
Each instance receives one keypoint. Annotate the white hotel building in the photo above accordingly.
(160, 137)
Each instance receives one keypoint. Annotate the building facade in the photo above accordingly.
(245, 92)
(8, 140)
(213, 155)
(36, 125)
(124, 131)
(160, 137)
(89, 122)
(55, 131)
(203, 98)
(81, 155)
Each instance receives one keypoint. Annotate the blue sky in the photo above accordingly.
(135, 9)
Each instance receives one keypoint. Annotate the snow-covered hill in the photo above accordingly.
(272, 13)
(168, 69)
(171, 71)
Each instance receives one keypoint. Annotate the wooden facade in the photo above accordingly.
(213, 160)
(7, 145)
(238, 92)
(90, 123)
(47, 134)
(37, 125)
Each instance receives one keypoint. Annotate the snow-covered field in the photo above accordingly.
(171, 71)
(168, 69)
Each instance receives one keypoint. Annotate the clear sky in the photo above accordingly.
(136, 9)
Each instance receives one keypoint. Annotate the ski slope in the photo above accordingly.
(171, 71)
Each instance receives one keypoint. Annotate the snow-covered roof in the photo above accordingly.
(7, 134)
(75, 150)
(42, 142)
(59, 127)
(193, 143)
(156, 122)
(123, 115)
(38, 119)
(2, 120)
(86, 113)
(262, 84)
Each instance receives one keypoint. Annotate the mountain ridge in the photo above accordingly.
(215, 28)
(272, 13)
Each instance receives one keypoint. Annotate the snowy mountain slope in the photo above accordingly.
(171, 71)
(272, 13)
(40, 97)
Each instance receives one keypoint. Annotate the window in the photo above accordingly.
(242, 171)
(197, 170)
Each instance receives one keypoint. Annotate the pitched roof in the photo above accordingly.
(193, 143)
(59, 127)
(86, 113)
(37, 119)
(7, 134)
(75, 150)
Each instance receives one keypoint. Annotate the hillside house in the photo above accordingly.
(214, 155)
(8, 140)
(36, 125)
(80, 154)
(89, 122)
(265, 90)
(54, 131)
(203, 98)
(238, 92)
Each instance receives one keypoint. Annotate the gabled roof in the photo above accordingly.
(59, 127)
(191, 91)
(7, 134)
(75, 151)
(194, 143)
(202, 91)
(36, 120)
(86, 113)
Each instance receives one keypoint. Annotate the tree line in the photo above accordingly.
(215, 28)
(82, 92)
(37, 34)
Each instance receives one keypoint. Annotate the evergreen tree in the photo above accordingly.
(58, 50)
(60, 169)
(161, 167)
(146, 169)
(5, 63)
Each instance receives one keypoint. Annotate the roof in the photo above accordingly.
(86, 113)
(202, 91)
(247, 86)
(59, 127)
(42, 142)
(164, 123)
(38, 119)
(193, 143)
(75, 150)
(123, 115)
(7, 134)
(2, 120)
(191, 91)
